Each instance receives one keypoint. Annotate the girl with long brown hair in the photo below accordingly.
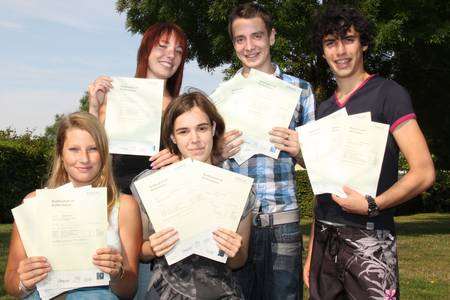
(192, 128)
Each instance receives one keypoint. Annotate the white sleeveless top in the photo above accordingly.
(112, 234)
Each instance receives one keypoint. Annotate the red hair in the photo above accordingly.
(150, 38)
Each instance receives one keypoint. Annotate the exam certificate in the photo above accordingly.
(133, 115)
(222, 202)
(72, 229)
(194, 198)
(362, 155)
(255, 105)
(76, 227)
(343, 150)
(169, 203)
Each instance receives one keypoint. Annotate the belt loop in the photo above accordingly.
(256, 220)
(264, 219)
(370, 226)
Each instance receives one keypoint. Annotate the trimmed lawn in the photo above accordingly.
(423, 249)
(424, 256)
(423, 242)
(5, 231)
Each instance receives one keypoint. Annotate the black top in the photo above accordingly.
(388, 103)
(126, 167)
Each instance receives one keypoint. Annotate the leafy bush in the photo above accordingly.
(435, 199)
(23, 167)
(305, 196)
(24, 161)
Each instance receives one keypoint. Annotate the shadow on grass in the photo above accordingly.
(412, 225)
(430, 226)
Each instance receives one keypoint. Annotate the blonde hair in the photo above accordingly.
(104, 178)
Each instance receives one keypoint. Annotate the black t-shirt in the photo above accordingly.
(388, 103)
(126, 167)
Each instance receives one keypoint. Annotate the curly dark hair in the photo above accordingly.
(337, 20)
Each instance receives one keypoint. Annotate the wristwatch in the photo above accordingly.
(373, 209)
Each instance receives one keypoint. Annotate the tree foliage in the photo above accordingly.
(411, 46)
(50, 131)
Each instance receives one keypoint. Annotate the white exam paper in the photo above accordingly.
(77, 226)
(59, 236)
(194, 198)
(343, 150)
(133, 115)
(255, 105)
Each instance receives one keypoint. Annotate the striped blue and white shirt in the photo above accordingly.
(275, 178)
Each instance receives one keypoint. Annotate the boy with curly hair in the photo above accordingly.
(352, 250)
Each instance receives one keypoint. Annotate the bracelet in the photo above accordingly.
(24, 290)
(120, 276)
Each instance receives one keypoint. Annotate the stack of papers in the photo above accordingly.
(194, 198)
(343, 150)
(254, 105)
(66, 225)
(133, 115)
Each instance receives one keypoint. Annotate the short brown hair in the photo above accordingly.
(248, 11)
(185, 103)
(150, 38)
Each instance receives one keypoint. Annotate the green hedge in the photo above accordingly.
(24, 164)
(305, 196)
(23, 167)
(435, 199)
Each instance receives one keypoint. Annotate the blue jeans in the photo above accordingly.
(273, 268)
(88, 293)
(145, 274)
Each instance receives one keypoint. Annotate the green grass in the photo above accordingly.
(423, 242)
(5, 231)
(424, 256)
(423, 250)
